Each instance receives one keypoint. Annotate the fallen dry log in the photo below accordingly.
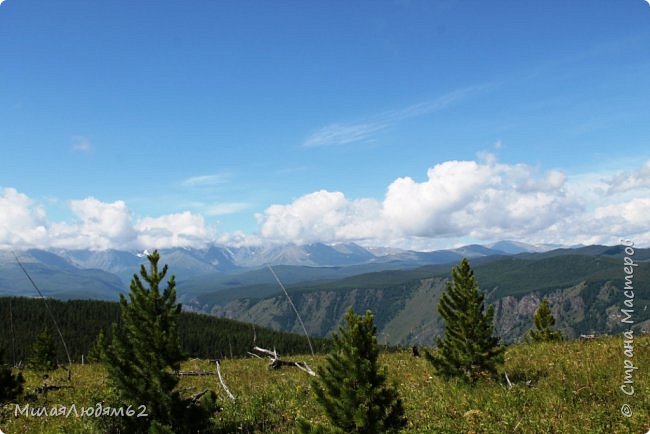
(276, 363)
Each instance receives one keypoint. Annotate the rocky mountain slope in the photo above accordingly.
(584, 284)
(585, 293)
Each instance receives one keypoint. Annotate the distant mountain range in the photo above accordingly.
(401, 287)
(103, 274)
(584, 287)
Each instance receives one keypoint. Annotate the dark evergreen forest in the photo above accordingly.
(203, 336)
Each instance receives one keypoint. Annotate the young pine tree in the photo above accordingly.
(11, 386)
(351, 387)
(43, 354)
(544, 322)
(96, 350)
(145, 351)
(468, 349)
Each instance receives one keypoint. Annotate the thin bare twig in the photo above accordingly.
(47, 306)
(230, 395)
(294, 308)
(508, 380)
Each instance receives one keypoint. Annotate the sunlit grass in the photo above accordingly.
(557, 388)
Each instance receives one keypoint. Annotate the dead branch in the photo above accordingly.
(47, 387)
(197, 396)
(508, 380)
(293, 306)
(273, 354)
(206, 373)
(253, 354)
(194, 373)
(276, 363)
(230, 395)
(305, 367)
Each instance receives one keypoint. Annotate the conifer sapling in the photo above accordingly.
(43, 355)
(352, 388)
(468, 349)
(544, 321)
(145, 352)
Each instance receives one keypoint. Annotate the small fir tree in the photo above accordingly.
(96, 350)
(468, 348)
(544, 321)
(351, 387)
(144, 354)
(11, 386)
(43, 354)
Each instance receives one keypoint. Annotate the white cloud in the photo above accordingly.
(630, 180)
(100, 225)
(240, 239)
(97, 225)
(205, 180)
(482, 200)
(22, 223)
(630, 219)
(344, 133)
(81, 144)
(425, 209)
(341, 134)
(226, 208)
(320, 216)
(174, 230)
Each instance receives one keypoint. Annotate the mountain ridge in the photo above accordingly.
(583, 282)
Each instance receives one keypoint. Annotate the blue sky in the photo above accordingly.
(408, 123)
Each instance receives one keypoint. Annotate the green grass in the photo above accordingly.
(574, 388)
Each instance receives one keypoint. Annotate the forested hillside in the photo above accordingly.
(201, 336)
(584, 288)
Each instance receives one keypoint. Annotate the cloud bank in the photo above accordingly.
(481, 200)
(97, 226)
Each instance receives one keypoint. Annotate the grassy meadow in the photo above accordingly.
(571, 387)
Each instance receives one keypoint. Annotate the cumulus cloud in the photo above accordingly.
(22, 223)
(320, 216)
(629, 218)
(240, 239)
(478, 201)
(630, 180)
(174, 230)
(459, 198)
(481, 200)
(97, 225)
